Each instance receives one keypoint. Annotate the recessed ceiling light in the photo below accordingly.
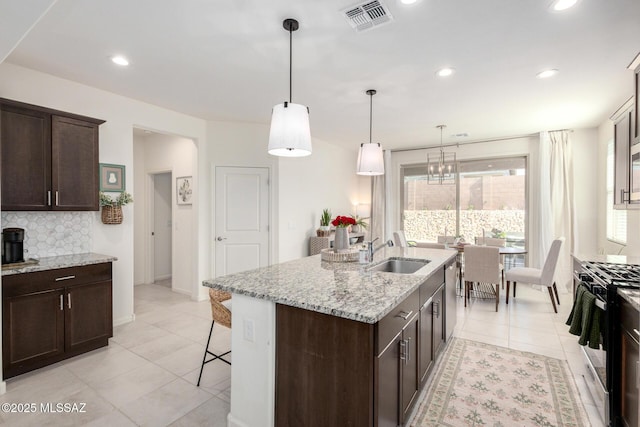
(546, 73)
(120, 60)
(408, 1)
(560, 5)
(444, 72)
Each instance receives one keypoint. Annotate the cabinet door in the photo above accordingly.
(451, 300)
(26, 159)
(636, 113)
(409, 367)
(32, 332)
(426, 341)
(629, 380)
(74, 164)
(88, 316)
(621, 155)
(438, 321)
(388, 386)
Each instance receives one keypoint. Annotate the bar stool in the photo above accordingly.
(221, 313)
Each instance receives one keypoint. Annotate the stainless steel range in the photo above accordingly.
(603, 364)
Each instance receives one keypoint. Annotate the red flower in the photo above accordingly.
(343, 221)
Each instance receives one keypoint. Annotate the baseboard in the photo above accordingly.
(181, 291)
(123, 320)
(166, 276)
(234, 422)
(3, 387)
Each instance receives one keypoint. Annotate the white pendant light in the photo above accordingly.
(370, 158)
(290, 135)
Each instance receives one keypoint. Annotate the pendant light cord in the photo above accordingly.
(370, 116)
(290, 63)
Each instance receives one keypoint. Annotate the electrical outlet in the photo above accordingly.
(249, 330)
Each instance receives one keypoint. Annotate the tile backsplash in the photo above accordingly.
(52, 233)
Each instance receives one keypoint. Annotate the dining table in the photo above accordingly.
(504, 251)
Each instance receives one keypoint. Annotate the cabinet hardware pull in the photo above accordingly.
(436, 308)
(404, 315)
(622, 198)
(69, 300)
(49, 198)
(59, 279)
(637, 332)
(56, 198)
(403, 350)
(61, 302)
(408, 351)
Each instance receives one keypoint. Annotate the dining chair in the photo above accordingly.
(446, 239)
(536, 276)
(493, 241)
(482, 267)
(400, 240)
(221, 313)
(490, 241)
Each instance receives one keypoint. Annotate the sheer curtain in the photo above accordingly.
(553, 205)
(562, 203)
(379, 201)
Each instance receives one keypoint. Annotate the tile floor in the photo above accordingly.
(148, 373)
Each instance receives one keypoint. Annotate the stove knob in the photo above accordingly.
(585, 277)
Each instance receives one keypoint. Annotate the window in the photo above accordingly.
(488, 199)
(616, 218)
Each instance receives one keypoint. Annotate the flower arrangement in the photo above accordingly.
(343, 221)
(112, 208)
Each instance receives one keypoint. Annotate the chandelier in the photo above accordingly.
(441, 168)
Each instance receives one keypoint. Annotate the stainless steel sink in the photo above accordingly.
(399, 265)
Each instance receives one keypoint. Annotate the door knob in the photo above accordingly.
(220, 238)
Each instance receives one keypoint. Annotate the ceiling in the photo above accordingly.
(229, 60)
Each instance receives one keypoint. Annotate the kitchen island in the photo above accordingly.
(314, 341)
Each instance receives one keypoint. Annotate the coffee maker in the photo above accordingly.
(12, 245)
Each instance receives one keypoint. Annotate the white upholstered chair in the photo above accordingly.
(482, 267)
(535, 276)
(431, 245)
(401, 241)
(446, 239)
(221, 313)
(490, 241)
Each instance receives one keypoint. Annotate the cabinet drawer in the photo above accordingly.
(26, 283)
(431, 285)
(393, 323)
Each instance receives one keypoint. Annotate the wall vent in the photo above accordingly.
(367, 15)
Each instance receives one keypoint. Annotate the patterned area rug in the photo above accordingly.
(480, 384)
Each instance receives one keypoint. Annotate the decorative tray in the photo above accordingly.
(348, 255)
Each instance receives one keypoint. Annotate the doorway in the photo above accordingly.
(161, 218)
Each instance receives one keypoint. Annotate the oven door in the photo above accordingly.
(596, 370)
(634, 174)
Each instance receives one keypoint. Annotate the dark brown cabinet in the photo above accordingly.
(630, 352)
(51, 315)
(622, 143)
(335, 371)
(49, 159)
(636, 114)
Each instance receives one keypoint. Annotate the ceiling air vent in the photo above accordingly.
(367, 15)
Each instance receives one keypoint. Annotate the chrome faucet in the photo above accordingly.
(371, 250)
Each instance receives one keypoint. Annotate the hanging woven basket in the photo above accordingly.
(112, 214)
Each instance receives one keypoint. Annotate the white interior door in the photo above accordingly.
(241, 219)
(162, 226)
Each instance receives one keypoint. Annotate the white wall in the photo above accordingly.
(161, 153)
(116, 146)
(326, 179)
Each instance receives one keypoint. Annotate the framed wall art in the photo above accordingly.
(184, 190)
(112, 177)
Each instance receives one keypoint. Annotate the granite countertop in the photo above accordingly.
(61, 261)
(631, 295)
(613, 259)
(340, 289)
